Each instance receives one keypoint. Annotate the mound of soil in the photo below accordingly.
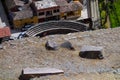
(31, 52)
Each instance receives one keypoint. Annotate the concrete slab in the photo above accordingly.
(41, 71)
(91, 48)
(91, 52)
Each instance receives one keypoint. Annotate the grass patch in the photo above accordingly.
(114, 9)
(111, 9)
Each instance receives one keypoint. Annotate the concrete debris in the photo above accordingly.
(29, 73)
(67, 45)
(41, 71)
(51, 45)
(91, 52)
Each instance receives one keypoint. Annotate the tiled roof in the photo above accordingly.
(75, 5)
(67, 7)
(22, 14)
(12, 3)
(61, 2)
(42, 4)
(24, 9)
(19, 2)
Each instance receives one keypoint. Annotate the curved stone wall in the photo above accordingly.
(55, 25)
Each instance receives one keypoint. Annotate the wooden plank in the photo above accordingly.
(36, 71)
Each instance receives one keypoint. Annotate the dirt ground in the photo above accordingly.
(30, 52)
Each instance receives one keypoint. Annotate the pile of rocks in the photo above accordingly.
(90, 52)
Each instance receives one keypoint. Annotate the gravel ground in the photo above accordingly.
(30, 52)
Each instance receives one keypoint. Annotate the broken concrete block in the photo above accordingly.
(29, 73)
(41, 71)
(91, 52)
(67, 45)
(51, 45)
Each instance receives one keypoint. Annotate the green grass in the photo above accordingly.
(113, 21)
(103, 14)
(115, 14)
(113, 11)
(117, 5)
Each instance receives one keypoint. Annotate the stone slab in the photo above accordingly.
(91, 52)
(91, 48)
(41, 71)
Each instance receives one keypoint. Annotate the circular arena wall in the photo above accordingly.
(55, 27)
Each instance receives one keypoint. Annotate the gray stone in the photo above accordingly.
(29, 73)
(117, 71)
(91, 52)
(41, 71)
(51, 45)
(67, 45)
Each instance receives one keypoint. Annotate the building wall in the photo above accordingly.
(78, 12)
(10, 4)
(76, 0)
(71, 14)
(22, 22)
(62, 14)
(42, 18)
(43, 13)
